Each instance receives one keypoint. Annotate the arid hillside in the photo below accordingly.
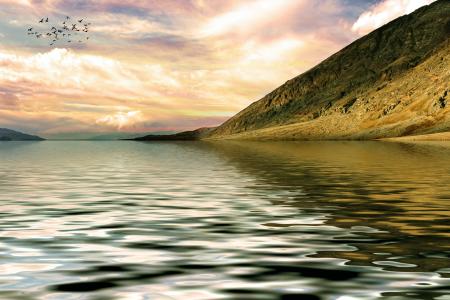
(392, 82)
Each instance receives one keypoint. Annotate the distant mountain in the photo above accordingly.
(391, 82)
(112, 136)
(11, 135)
(107, 136)
(197, 134)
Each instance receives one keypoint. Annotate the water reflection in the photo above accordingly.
(310, 220)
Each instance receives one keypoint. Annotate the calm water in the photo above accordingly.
(310, 220)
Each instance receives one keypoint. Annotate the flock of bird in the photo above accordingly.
(70, 31)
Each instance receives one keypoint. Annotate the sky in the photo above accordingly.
(172, 65)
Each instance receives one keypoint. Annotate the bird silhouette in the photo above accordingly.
(62, 31)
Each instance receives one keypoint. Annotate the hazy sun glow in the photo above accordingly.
(120, 119)
(167, 65)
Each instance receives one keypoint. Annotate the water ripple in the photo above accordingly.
(311, 220)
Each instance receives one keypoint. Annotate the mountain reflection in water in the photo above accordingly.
(234, 220)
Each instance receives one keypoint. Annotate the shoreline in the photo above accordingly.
(441, 136)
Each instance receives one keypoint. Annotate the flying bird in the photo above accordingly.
(60, 32)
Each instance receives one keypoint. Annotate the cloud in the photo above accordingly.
(247, 16)
(119, 25)
(103, 92)
(17, 2)
(8, 100)
(161, 65)
(273, 51)
(121, 119)
(65, 72)
(385, 11)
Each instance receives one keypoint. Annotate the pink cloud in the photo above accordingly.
(8, 101)
(384, 12)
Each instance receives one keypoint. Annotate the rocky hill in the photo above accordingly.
(392, 82)
(11, 135)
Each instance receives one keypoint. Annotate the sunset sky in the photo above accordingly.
(166, 65)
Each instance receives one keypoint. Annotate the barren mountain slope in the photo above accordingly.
(392, 82)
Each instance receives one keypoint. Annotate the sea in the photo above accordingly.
(340, 220)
